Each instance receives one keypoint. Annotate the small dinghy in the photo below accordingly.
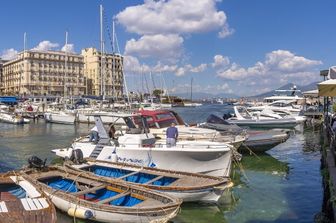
(187, 186)
(87, 197)
(21, 202)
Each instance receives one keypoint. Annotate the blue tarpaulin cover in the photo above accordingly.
(8, 99)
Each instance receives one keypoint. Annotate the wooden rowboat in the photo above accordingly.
(21, 202)
(84, 196)
(188, 186)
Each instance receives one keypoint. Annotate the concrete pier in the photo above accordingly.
(328, 170)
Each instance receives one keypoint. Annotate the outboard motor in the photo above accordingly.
(35, 162)
(77, 156)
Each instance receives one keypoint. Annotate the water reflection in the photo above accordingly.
(264, 162)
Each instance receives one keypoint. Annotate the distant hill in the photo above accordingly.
(202, 95)
(311, 86)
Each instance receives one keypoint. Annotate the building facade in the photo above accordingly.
(107, 81)
(44, 73)
(2, 87)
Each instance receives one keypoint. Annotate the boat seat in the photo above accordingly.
(34, 204)
(107, 200)
(130, 174)
(92, 189)
(153, 180)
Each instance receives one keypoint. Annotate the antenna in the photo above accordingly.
(113, 36)
(24, 41)
(101, 51)
(65, 62)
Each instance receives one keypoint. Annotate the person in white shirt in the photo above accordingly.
(94, 136)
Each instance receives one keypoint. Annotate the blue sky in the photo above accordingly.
(230, 46)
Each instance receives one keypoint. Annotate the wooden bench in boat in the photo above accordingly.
(153, 180)
(130, 174)
(89, 190)
(107, 200)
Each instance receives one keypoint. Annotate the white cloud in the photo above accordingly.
(45, 46)
(9, 54)
(277, 64)
(68, 48)
(279, 67)
(226, 31)
(174, 16)
(181, 71)
(155, 46)
(220, 61)
(199, 68)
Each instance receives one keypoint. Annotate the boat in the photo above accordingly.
(189, 187)
(285, 95)
(280, 106)
(87, 116)
(20, 201)
(138, 146)
(61, 117)
(244, 118)
(257, 140)
(88, 197)
(159, 120)
(13, 118)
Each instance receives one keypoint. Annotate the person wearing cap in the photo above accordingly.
(172, 135)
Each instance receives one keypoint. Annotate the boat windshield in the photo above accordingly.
(216, 120)
(244, 113)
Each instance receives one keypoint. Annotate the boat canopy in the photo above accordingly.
(8, 100)
(216, 120)
(327, 88)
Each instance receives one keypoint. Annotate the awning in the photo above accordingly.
(327, 88)
(8, 99)
(312, 93)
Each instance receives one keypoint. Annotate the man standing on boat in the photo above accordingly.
(172, 134)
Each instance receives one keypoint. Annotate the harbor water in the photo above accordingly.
(282, 185)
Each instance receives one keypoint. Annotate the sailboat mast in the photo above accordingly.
(65, 63)
(191, 84)
(101, 53)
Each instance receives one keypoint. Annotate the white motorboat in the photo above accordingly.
(61, 117)
(281, 106)
(159, 120)
(137, 146)
(87, 116)
(13, 118)
(257, 140)
(244, 118)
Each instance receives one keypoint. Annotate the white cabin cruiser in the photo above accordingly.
(281, 106)
(12, 118)
(60, 117)
(244, 118)
(137, 146)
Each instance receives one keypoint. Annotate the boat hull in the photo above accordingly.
(265, 123)
(60, 118)
(211, 161)
(103, 216)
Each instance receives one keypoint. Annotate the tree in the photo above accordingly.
(158, 92)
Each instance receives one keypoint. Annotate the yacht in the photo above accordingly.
(136, 145)
(258, 120)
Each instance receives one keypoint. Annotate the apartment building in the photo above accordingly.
(109, 79)
(44, 73)
(2, 87)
